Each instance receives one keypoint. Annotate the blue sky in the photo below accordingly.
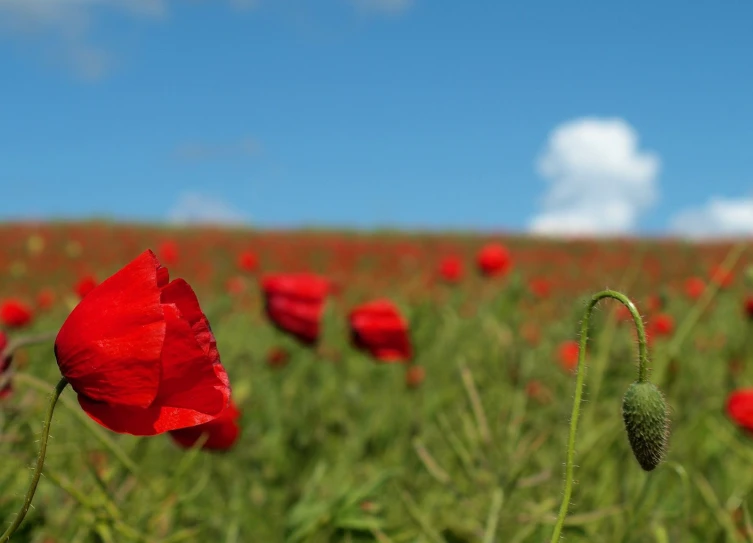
(555, 117)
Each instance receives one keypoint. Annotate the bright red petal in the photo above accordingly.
(110, 346)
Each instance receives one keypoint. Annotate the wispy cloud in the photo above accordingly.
(245, 147)
(599, 180)
(719, 217)
(199, 208)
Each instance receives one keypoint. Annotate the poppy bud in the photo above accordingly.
(646, 422)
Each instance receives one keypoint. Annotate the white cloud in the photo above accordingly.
(389, 7)
(197, 208)
(599, 181)
(720, 217)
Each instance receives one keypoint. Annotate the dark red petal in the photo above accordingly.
(109, 348)
(222, 432)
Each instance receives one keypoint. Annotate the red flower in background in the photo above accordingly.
(451, 269)
(748, 307)
(378, 328)
(222, 432)
(247, 261)
(295, 303)
(15, 314)
(45, 299)
(740, 408)
(168, 252)
(540, 287)
(568, 354)
(235, 285)
(694, 287)
(140, 353)
(84, 286)
(5, 390)
(493, 259)
(414, 376)
(277, 357)
(722, 277)
(661, 325)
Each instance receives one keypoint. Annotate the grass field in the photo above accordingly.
(336, 447)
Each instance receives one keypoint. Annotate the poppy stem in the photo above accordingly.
(25, 341)
(40, 463)
(642, 364)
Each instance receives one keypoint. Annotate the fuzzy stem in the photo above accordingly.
(642, 363)
(40, 463)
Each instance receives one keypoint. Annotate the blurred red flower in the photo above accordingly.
(277, 357)
(85, 285)
(414, 376)
(378, 328)
(748, 307)
(740, 407)
(661, 325)
(722, 277)
(247, 261)
(568, 354)
(451, 269)
(45, 298)
(295, 304)
(540, 287)
(493, 259)
(141, 355)
(15, 314)
(694, 287)
(168, 252)
(222, 432)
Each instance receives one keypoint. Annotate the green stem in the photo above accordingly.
(642, 368)
(26, 341)
(40, 463)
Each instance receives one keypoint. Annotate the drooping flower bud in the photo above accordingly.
(645, 413)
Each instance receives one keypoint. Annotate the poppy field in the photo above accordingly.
(237, 386)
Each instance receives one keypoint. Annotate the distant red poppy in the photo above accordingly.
(14, 313)
(168, 252)
(222, 432)
(414, 376)
(295, 304)
(140, 353)
(540, 287)
(45, 299)
(748, 307)
(451, 269)
(378, 328)
(493, 260)
(85, 285)
(247, 261)
(5, 390)
(235, 285)
(694, 287)
(568, 353)
(661, 325)
(278, 357)
(740, 408)
(722, 277)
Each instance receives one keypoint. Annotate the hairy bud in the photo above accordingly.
(647, 423)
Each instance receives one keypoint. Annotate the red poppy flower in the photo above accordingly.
(168, 252)
(722, 277)
(15, 314)
(540, 287)
(277, 357)
(140, 353)
(748, 307)
(235, 285)
(661, 325)
(5, 390)
(414, 376)
(378, 328)
(451, 269)
(694, 287)
(295, 303)
(493, 259)
(568, 354)
(247, 261)
(740, 407)
(45, 298)
(85, 285)
(222, 432)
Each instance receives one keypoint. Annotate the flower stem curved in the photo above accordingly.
(642, 369)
